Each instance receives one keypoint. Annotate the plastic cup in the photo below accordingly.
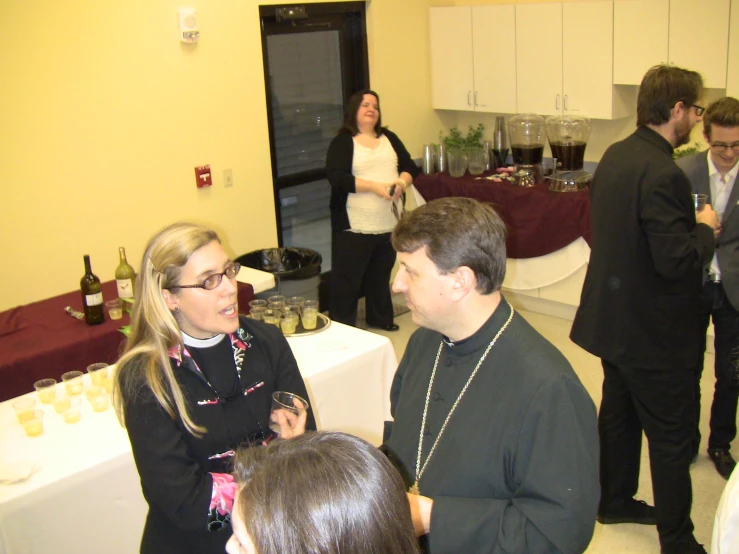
(108, 384)
(700, 200)
(115, 308)
(73, 413)
(288, 402)
(34, 425)
(310, 314)
(100, 403)
(258, 303)
(296, 301)
(98, 373)
(257, 312)
(62, 402)
(276, 298)
(46, 389)
(93, 392)
(272, 317)
(289, 322)
(24, 408)
(73, 382)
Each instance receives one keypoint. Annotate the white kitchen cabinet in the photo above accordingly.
(539, 58)
(640, 38)
(708, 23)
(565, 60)
(650, 32)
(732, 75)
(472, 53)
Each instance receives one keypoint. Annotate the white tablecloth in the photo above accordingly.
(86, 497)
(259, 280)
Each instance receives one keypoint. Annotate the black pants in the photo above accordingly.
(726, 344)
(360, 266)
(662, 404)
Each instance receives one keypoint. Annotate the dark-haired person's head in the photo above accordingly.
(457, 232)
(363, 106)
(721, 131)
(323, 493)
(670, 94)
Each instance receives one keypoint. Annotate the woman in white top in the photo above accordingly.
(369, 170)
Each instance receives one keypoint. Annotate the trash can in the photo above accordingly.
(297, 271)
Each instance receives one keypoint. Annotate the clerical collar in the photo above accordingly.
(481, 337)
(192, 342)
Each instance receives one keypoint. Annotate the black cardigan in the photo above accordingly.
(339, 160)
(175, 466)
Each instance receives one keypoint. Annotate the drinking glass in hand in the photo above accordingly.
(291, 405)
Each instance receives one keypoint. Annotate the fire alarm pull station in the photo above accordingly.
(203, 176)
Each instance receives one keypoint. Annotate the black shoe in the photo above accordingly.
(695, 548)
(389, 327)
(723, 461)
(628, 511)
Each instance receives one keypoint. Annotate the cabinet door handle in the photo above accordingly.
(565, 103)
(475, 98)
(469, 92)
(556, 103)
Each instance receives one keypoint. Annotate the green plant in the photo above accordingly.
(455, 140)
(686, 150)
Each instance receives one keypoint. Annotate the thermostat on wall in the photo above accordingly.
(188, 20)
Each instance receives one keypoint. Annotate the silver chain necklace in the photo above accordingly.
(420, 469)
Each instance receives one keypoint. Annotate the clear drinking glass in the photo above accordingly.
(457, 162)
(476, 160)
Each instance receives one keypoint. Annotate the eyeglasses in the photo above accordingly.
(398, 212)
(698, 109)
(214, 280)
(721, 147)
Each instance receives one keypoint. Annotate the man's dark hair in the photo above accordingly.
(662, 87)
(723, 112)
(457, 232)
(352, 108)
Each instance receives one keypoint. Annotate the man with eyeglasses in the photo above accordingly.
(713, 173)
(640, 306)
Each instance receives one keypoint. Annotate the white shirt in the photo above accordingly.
(368, 213)
(720, 192)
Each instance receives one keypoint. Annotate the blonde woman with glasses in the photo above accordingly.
(195, 383)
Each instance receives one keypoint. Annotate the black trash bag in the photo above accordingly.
(287, 263)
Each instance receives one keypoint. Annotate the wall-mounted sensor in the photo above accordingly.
(188, 20)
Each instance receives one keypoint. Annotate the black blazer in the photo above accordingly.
(640, 301)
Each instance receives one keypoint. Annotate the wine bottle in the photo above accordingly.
(125, 277)
(92, 296)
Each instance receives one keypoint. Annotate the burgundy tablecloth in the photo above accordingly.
(539, 221)
(41, 340)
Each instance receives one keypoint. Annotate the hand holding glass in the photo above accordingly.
(289, 414)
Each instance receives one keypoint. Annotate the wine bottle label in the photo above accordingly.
(94, 299)
(125, 288)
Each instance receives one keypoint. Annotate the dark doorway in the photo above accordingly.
(315, 57)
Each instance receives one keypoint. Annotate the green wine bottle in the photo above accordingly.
(125, 277)
(92, 296)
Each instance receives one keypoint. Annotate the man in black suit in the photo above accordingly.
(713, 173)
(640, 306)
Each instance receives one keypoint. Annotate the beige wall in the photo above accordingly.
(105, 114)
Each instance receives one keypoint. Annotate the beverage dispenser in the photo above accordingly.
(526, 133)
(568, 136)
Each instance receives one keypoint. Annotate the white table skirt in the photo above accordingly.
(86, 497)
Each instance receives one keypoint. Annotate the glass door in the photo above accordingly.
(315, 57)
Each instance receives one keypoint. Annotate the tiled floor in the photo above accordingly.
(624, 538)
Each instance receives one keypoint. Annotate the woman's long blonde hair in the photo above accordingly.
(154, 329)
